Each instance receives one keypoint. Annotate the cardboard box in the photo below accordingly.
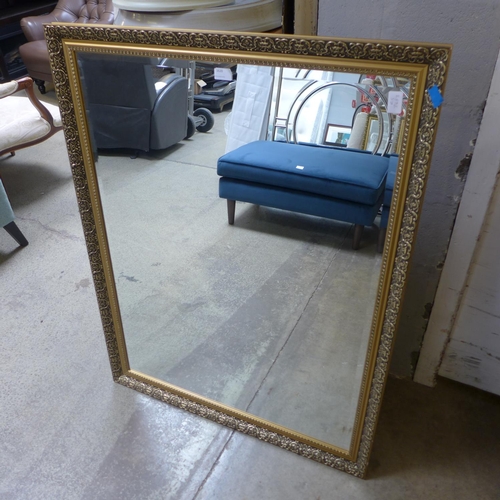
(198, 86)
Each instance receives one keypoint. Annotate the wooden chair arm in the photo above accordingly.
(26, 84)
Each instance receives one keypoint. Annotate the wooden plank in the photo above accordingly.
(306, 17)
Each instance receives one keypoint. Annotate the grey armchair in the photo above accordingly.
(128, 108)
(35, 54)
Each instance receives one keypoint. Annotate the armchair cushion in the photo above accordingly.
(25, 120)
(35, 56)
(32, 26)
(21, 122)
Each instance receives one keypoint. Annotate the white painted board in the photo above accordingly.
(473, 353)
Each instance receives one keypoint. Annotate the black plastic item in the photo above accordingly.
(213, 102)
(205, 119)
(16, 233)
(205, 72)
(191, 127)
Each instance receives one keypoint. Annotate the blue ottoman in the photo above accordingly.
(336, 183)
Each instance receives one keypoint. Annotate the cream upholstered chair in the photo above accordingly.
(25, 121)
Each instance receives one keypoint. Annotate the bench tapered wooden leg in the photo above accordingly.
(15, 232)
(356, 240)
(231, 207)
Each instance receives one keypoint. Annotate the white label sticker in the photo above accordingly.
(223, 74)
(395, 102)
(300, 167)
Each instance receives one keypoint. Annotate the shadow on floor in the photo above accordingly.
(439, 432)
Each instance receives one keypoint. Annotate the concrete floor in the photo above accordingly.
(67, 431)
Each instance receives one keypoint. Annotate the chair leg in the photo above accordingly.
(356, 240)
(41, 85)
(15, 232)
(231, 207)
(381, 239)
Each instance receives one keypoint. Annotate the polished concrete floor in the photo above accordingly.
(68, 432)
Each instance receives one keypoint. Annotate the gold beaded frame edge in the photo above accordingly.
(396, 258)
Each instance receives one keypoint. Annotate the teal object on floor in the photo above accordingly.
(7, 218)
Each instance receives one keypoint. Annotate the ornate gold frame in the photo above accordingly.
(424, 65)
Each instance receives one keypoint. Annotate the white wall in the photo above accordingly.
(473, 354)
(473, 28)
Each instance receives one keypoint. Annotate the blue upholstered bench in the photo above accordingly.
(340, 184)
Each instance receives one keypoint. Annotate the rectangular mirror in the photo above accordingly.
(249, 205)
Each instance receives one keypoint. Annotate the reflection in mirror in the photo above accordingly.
(272, 313)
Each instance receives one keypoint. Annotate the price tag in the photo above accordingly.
(436, 96)
(395, 102)
(223, 74)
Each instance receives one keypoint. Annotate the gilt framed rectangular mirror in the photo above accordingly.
(280, 323)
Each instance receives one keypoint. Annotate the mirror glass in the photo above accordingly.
(271, 315)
